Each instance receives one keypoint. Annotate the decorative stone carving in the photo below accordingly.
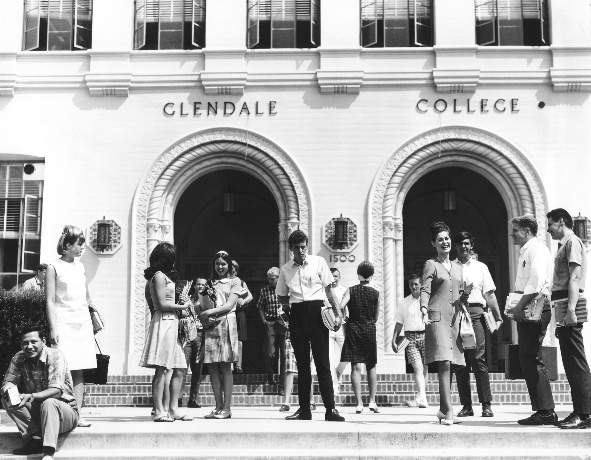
(163, 184)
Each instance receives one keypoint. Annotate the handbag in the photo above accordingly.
(329, 318)
(100, 373)
(98, 323)
(466, 327)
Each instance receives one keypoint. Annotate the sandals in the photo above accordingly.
(164, 418)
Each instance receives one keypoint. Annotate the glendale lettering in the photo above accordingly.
(223, 108)
(468, 105)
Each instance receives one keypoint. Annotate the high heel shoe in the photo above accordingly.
(374, 408)
(359, 409)
(441, 418)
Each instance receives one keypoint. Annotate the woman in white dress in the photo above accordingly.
(69, 320)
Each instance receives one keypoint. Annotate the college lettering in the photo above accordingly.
(468, 105)
(223, 108)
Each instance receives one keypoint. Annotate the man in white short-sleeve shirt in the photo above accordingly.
(482, 296)
(303, 284)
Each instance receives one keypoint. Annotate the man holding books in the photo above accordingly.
(408, 315)
(481, 297)
(534, 274)
(570, 267)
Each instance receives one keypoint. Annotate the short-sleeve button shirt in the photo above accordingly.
(571, 251)
(477, 273)
(304, 282)
(534, 269)
(409, 315)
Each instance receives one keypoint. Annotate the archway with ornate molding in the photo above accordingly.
(500, 162)
(174, 170)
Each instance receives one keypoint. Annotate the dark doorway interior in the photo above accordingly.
(249, 233)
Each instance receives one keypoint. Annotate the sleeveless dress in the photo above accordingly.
(76, 337)
(360, 339)
(221, 341)
(162, 347)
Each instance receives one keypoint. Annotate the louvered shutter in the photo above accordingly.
(254, 20)
(140, 24)
(486, 13)
(83, 24)
(369, 22)
(315, 22)
(198, 22)
(422, 22)
(32, 22)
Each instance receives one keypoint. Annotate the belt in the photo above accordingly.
(416, 332)
(479, 305)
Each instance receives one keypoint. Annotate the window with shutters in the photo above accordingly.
(169, 24)
(57, 25)
(283, 24)
(512, 23)
(21, 201)
(396, 23)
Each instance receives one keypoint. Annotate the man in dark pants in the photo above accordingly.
(534, 274)
(570, 268)
(482, 295)
(304, 283)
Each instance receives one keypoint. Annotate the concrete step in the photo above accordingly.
(262, 433)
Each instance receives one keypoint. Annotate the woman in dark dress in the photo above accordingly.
(360, 340)
(440, 289)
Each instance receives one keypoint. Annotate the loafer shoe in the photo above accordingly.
(299, 415)
(584, 424)
(570, 422)
(193, 404)
(487, 411)
(539, 419)
(34, 446)
(333, 415)
(466, 412)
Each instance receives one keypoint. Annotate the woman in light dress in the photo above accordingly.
(163, 349)
(221, 332)
(70, 326)
(440, 289)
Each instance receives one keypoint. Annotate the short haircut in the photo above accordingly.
(527, 221)
(459, 237)
(41, 267)
(32, 328)
(162, 260)
(334, 269)
(365, 269)
(298, 236)
(414, 276)
(273, 271)
(559, 213)
(222, 255)
(437, 228)
(70, 235)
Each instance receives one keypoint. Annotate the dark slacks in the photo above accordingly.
(575, 363)
(477, 360)
(534, 370)
(307, 329)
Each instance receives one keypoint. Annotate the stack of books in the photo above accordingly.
(561, 307)
(401, 343)
(533, 311)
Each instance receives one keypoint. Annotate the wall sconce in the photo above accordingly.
(341, 232)
(582, 228)
(103, 234)
(449, 201)
(229, 203)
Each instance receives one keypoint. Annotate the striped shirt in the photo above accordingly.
(50, 371)
(269, 303)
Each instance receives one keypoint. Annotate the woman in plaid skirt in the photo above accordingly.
(221, 331)
(360, 340)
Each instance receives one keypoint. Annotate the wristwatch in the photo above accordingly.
(425, 308)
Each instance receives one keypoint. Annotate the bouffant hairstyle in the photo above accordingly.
(162, 260)
(70, 235)
(559, 213)
(437, 228)
(222, 255)
(527, 221)
(365, 269)
(298, 236)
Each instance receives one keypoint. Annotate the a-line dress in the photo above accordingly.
(439, 290)
(221, 341)
(75, 333)
(360, 339)
(162, 347)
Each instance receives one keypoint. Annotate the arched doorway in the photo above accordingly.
(163, 184)
(246, 227)
(479, 209)
(501, 163)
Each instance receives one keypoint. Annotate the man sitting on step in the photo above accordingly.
(48, 407)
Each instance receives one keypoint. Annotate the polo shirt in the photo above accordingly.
(476, 273)
(304, 282)
(534, 269)
(570, 251)
(32, 283)
(409, 315)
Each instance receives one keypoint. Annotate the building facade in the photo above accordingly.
(227, 124)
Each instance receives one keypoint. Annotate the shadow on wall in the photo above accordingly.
(91, 264)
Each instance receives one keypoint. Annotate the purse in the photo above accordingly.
(100, 373)
(98, 323)
(466, 327)
(329, 318)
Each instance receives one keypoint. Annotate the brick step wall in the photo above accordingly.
(251, 390)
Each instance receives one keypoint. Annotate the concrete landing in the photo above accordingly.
(263, 433)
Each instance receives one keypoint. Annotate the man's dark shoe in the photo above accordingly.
(539, 419)
(193, 404)
(584, 424)
(281, 392)
(34, 446)
(571, 420)
(299, 415)
(466, 412)
(487, 411)
(332, 415)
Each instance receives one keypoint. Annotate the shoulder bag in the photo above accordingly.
(100, 373)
